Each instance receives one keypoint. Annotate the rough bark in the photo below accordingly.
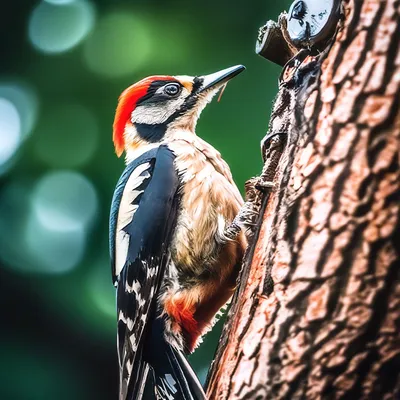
(317, 311)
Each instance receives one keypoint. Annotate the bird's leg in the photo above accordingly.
(246, 218)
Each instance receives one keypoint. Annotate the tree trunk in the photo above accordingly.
(317, 311)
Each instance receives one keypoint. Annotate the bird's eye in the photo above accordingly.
(172, 89)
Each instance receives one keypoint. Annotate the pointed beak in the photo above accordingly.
(213, 81)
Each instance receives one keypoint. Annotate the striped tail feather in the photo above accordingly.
(172, 377)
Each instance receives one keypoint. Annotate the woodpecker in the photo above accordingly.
(175, 243)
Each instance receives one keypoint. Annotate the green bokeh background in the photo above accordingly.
(63, 65)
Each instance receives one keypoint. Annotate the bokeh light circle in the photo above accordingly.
(53, 251)
(60, 2)
(55, 28)
(101, 291)
(10, 130)
(67, 136)
(44, 228)
(118, 46)
(18, 114)
(65, 201)
(25, 101)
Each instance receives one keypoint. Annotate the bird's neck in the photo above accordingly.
(140, 138)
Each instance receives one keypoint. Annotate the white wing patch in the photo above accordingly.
(126, 212)
(167, 389)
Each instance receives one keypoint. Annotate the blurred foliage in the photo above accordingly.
(64, 63)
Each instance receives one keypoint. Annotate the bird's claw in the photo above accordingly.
(245, 220)
(264, 186)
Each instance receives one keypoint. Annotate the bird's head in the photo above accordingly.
(155, 106)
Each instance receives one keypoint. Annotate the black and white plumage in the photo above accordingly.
(173, 265)
(144, 210)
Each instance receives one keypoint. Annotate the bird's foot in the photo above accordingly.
(245, 220)
(264, 186)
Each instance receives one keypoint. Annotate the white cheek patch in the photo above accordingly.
(158, 113)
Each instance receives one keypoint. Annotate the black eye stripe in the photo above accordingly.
(197, 82)
(154, 132)
(151, 96)
(158, 84)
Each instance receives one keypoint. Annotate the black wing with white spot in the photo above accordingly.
(143, 216)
